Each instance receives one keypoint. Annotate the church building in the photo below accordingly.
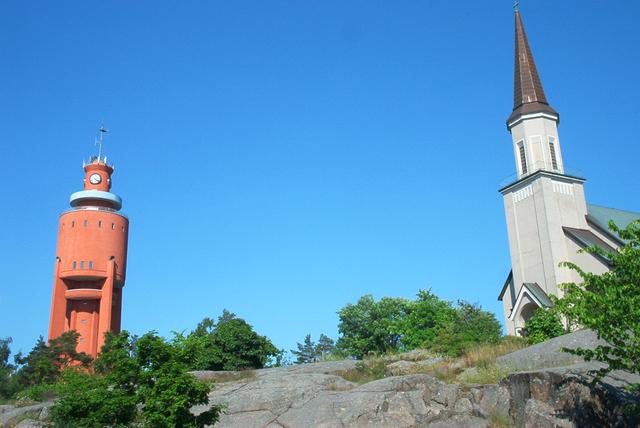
(548, 217)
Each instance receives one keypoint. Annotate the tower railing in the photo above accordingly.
(539, 166)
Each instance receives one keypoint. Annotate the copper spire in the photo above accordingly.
(528, 95)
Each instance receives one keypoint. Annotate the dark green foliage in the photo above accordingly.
(325, 347)
(7, 384)
(392, 324)
(371, 327)
(427, 316)
(545, 324)
(609, 303)
(310, 352)
(229, 344)
(135, 380)
(306, 352)
(43, 364)
(470, 326)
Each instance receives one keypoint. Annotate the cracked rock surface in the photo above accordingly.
(539, 395)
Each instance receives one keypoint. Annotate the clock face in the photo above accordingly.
(95, 179)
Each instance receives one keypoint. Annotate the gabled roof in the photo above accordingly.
(528, 94)
(536, 293)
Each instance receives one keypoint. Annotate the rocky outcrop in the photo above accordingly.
(311, 396)
(537, 395)
(31, 414)
(549, 353)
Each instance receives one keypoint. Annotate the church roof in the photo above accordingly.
(602, 215)
(528, 94)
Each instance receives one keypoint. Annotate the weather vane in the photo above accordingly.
(100, 140)
(516, 5)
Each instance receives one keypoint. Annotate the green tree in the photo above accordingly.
(325, 347)
(609, 303)
(545, 324)
(306, 352)
(7, 383)
(370, 326)
(427, 316)
(470, 326)
(229, 344)
(135, 380)
(44, 363)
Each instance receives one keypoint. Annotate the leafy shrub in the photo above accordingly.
(427, 316)
(136, 380)
(229, 344)
(371, 327)
(470, 326)
(609, 303)
(545, 324)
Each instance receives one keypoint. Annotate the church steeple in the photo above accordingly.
(528, 94)
(533, 123)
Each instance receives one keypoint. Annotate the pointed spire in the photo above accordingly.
(528, 96)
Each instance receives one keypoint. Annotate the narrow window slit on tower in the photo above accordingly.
(552, 149)
(99, 223)
(82, 264)
(74, 264)
(86, 223)
(90, 264)
(113, 226)
(73, 223)
(523, 158)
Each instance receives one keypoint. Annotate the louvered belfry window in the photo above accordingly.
(552, 149)
(523, 158)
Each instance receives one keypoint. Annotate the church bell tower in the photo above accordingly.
(91, 260)
(542, 201)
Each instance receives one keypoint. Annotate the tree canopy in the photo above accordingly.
(395, 324)
(609, 303)
(229, 344)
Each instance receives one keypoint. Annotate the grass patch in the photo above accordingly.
(500, 420)
(230, 376)
(446, 371)
(366, 371)
(488, 374)
(485, 355)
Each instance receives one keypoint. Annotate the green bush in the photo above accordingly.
(137, 380)
(229, 344)
(545, 324)
(371, 327)
(393, 325)
(470, 326)
(609, 303)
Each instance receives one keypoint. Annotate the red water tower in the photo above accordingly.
(91, 261)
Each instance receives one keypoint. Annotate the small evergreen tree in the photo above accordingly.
(325, 347)
(44, 363)
(7, 383)
(306, 352)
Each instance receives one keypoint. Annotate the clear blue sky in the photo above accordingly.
(281, 159)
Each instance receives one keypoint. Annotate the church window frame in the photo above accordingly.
(552, 151)
(522, 157)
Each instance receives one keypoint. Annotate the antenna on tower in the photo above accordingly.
(516, 5)
(100, 140)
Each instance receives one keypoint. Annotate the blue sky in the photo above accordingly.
(281, 159)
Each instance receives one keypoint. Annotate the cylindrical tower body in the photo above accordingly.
(91, 262)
